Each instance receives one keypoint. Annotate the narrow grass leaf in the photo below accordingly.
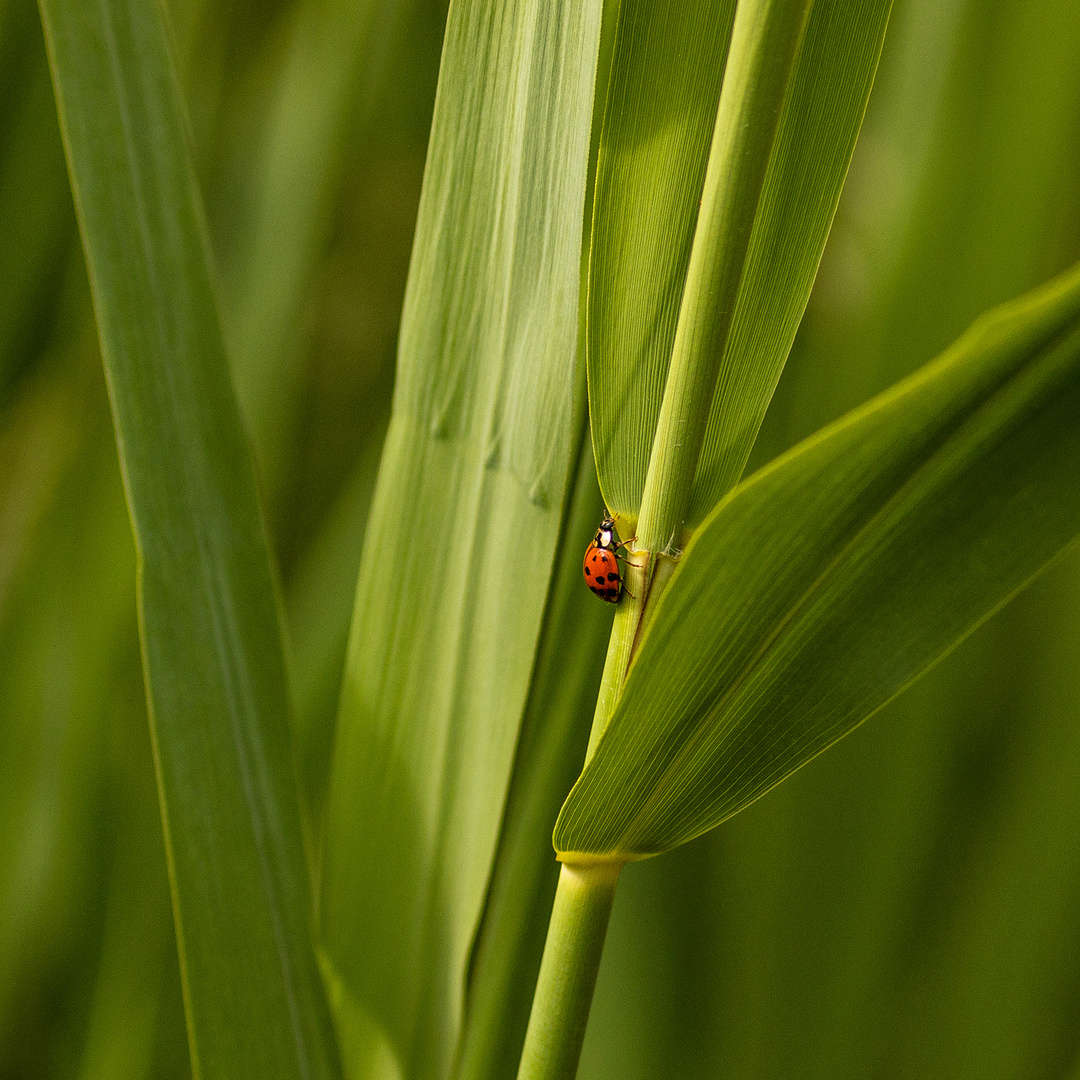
(831, 579)
(210, 625)
(465, 521)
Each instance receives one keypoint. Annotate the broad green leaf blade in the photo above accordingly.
(465, 520)
(667, 67)
(641, 242)
(831, 579)
(210, 626)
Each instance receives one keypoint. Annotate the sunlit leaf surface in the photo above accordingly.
(466, 517)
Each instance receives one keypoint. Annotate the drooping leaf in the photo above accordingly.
(212, 651)
(467, 513)
(828, 581)
(656, 137)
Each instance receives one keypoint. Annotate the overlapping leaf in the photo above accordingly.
(667, 67)
(210, 625)
(466, 517)
(656, 142)
(831, 579)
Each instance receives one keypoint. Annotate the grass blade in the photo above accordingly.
(833, 578)
(210, 626)
(466, 517)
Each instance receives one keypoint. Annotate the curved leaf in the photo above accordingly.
(835, 576)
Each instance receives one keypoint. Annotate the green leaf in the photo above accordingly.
(831, 579)
(656, 139)
(765, 41)
(466, 518)
(212, 652)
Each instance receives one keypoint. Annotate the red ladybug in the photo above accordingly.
(602, 572)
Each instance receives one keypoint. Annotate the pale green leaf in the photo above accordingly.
(466, 517)
(210, 625)
(828, 581)
(659, 142)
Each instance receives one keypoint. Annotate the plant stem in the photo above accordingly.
(620, 650)
(764, 41)
(568, 972)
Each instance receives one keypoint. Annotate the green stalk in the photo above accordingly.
(567, 979)
(764, 41)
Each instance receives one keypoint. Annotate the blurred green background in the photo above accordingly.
(906, 906)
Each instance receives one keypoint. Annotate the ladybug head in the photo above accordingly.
(605, 535)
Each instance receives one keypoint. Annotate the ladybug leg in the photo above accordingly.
(620, 544)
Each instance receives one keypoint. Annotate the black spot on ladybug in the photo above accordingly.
(613, 577)
(588, 572)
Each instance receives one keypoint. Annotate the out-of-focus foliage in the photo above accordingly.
(907, 906)
(88, 972)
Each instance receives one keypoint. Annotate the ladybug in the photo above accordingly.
(602, 573)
